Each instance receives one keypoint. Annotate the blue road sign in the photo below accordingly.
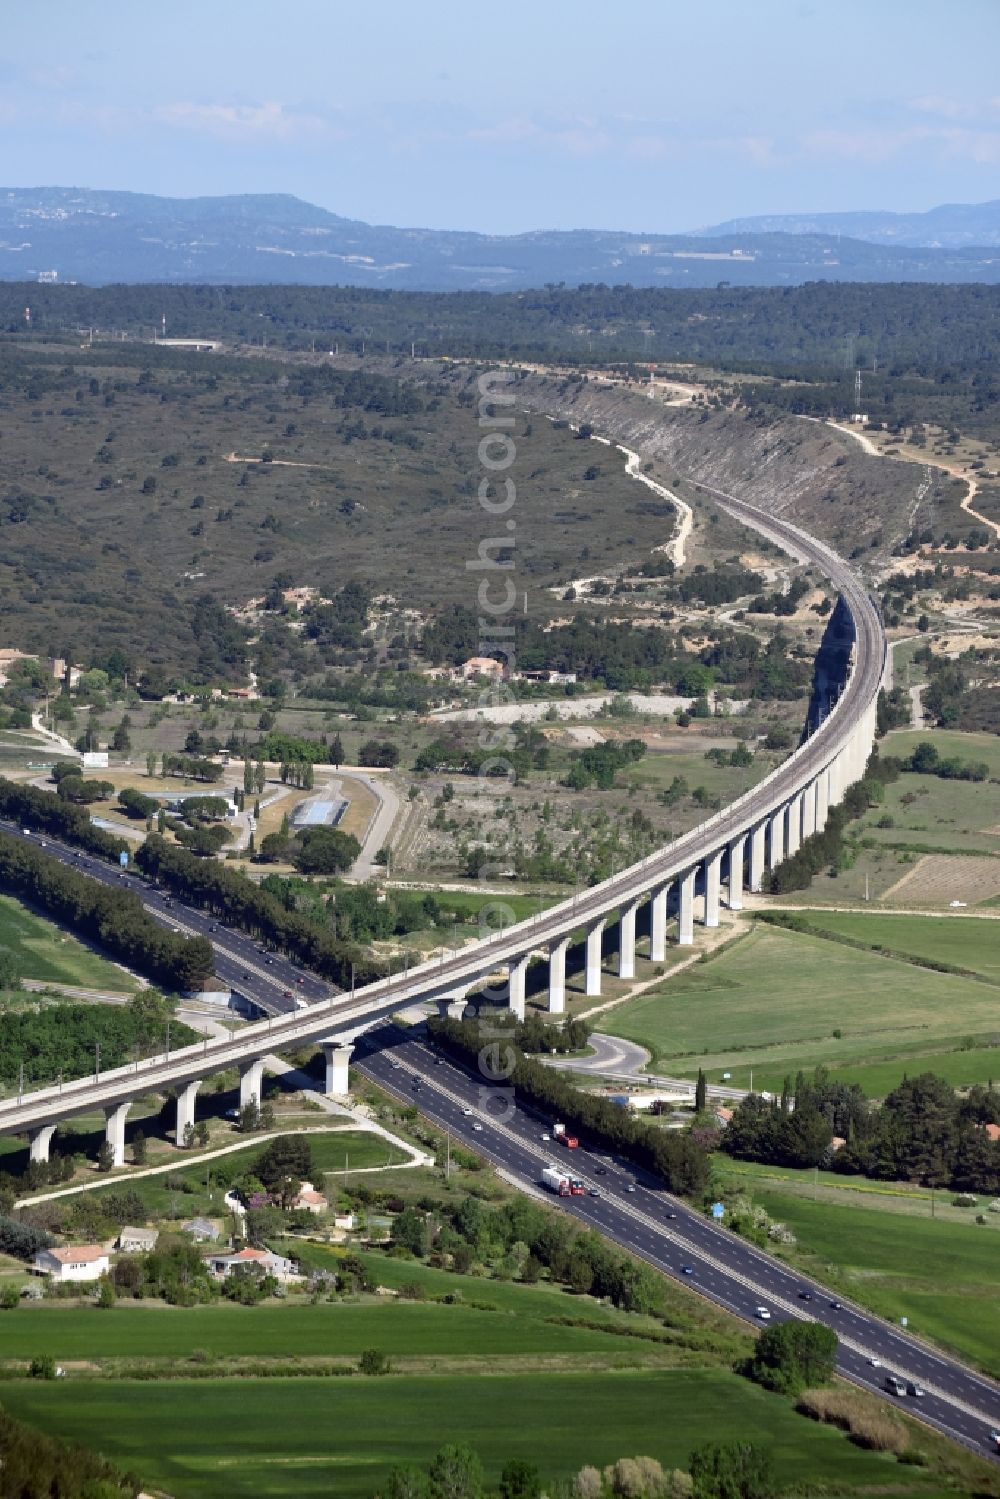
(123, 858)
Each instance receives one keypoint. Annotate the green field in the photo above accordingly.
(43, 951)
(943, 1273)
(209, 1181)
(299, 1437)
(772, 1002)
(963, 941)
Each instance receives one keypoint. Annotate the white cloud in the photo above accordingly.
(269, 120)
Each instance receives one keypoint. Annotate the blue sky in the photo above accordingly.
(501, 115)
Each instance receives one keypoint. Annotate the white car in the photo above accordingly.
(546, 1137)
(876, 1363)
(477, 1125)
(955, 903)
(763, 1314)
(395, 1066)
(467, 1113)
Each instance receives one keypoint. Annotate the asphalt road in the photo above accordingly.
(637, 1213)
(268, 980)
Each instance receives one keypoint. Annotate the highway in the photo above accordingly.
(664, 1231)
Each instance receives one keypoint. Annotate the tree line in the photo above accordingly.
(112, 917)
(238, 902)
(923, 1131)
(59, 1040)
(677, 1159)
(45, 812)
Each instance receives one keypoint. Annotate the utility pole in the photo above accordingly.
(97, 1061)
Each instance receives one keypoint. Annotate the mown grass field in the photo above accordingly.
(300, 1437)
(773, 1000)
(42, 951)
(884, 1248)
(964, 941)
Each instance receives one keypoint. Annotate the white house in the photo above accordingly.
(75, 1262)
(261, 1259)
(201, 1229)
(137, 1240)
(310, 1200)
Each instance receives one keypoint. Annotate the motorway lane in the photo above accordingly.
(666, 1232)
(266, 979)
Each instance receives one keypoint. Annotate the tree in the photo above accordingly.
(287, 1159)
(374, 1362)
(700, 1093)
(455, 1472)
(731, 1470)
(106, 1297)
(520, 1480)
(793, 1356)
(105, 1156)
(139, 1148)
(409, 1231)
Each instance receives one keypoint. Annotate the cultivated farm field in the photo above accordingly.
(776, 1001)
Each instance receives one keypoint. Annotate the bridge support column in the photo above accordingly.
(658, 925)
(713, 877)
(809, 811)
(517, 970)
(114, 1130)
(794, 835)
(39, 1140)
(451, 1006)
(338, 1056)
(737, 850)
(758, 849)
(186, 1096)
(776, 839)
(251, 1082)
(557, 976)
(595, 937)
(822, 798)
(626, 941)
(685, 909)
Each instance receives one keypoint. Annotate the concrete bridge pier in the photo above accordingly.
(186, 1096)
(809, 811)
(713, 880)
(517, 970)
(626, 940)
(39, 1141)
(794, 836)
(776, 839)
(658, 924)
(758, 851)
(115, 1115)
(251, 1082)
(822, 798)
(595, 937)
(451, 1006)
(685, 909)
(737, 853)
(338, 1056)
(557, 976)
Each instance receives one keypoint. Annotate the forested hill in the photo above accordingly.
(100, 237)
(812, 330)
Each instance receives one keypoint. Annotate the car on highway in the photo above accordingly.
(895, 1385)
(671, 1215)
(546, 1137)
(805, 1295)
(762, 1313)
(477, 1126)
(687, 1269)
(467, 1113)
(598, 1170)
(875, 1363)
(286, 993)
(836, 1306)
(914, 1389)
(594, 1192)
(395, 1064)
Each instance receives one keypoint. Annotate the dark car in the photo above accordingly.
(671, 1215)
(600, 1170)
(805, 1295)
(687, 1269)
(836, 1306)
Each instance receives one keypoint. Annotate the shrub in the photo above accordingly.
(869, 1424)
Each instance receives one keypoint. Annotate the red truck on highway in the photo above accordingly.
(570, 1141)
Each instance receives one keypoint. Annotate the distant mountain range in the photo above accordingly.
(77, 234)
(953, 226)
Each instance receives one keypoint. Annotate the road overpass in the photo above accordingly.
(731, 849)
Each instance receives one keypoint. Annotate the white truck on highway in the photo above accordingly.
(556, 1180)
